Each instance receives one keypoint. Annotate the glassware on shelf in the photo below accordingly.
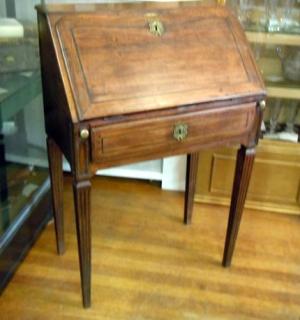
(290, 22)
(275, 110)
(283, 111)
(241, 8)
(279, 64)
(291, 116)
(280, 16)
(273, 15)
(291, 65)
(289, 133)
(267, 15)
(269, 59)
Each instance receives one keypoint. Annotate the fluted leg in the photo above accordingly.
(83, 225)
(244, 164)
(56, 177)
(190, 182)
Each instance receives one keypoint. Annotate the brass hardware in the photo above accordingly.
(180, 131)
(156, 27)
(84, 133)
(262, 104)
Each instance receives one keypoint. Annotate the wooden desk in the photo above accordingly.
(130, 82)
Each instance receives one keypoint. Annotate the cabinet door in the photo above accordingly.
(275, 182)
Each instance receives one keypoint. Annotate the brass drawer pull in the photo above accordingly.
(84, 134)
(180, 131)
(262, 105)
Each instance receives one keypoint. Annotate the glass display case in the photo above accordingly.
(273, 29)
(24, 182)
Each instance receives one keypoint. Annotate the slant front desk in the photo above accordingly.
(130, 82)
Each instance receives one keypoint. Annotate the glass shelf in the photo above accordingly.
(283, 92)
(274, 38)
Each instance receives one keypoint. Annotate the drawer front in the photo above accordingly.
(170, 134)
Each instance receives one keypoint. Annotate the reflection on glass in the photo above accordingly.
(23, 160)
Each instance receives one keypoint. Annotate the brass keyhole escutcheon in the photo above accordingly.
(156, 27)
(180, 131)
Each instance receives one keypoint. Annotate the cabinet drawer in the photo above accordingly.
(170, 134)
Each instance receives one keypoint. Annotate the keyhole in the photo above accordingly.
(156, 27)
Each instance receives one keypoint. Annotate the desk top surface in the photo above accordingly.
(128, 58)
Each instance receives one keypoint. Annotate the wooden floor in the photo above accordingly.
(148, 265)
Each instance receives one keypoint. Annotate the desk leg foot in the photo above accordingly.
(244, 164)
(82, 201)
(56, 176)
(190, 182)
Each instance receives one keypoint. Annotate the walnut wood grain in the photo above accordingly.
(105, 73)
(244, 164)
(83, 226)
(104, 54)
(120, 143)
(190, 183)
(56, 176)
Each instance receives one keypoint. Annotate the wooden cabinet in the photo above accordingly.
(275, 184)
(275, 181)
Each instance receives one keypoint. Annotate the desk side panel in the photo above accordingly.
(58, 120)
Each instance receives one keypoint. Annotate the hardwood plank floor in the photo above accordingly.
(148, 265)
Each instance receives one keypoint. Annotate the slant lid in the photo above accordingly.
(130, 58)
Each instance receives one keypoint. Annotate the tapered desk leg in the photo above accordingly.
(82, 200)
(190, 182)
(56, 176)
(244, 164)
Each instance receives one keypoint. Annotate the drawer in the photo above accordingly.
(175, 134)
